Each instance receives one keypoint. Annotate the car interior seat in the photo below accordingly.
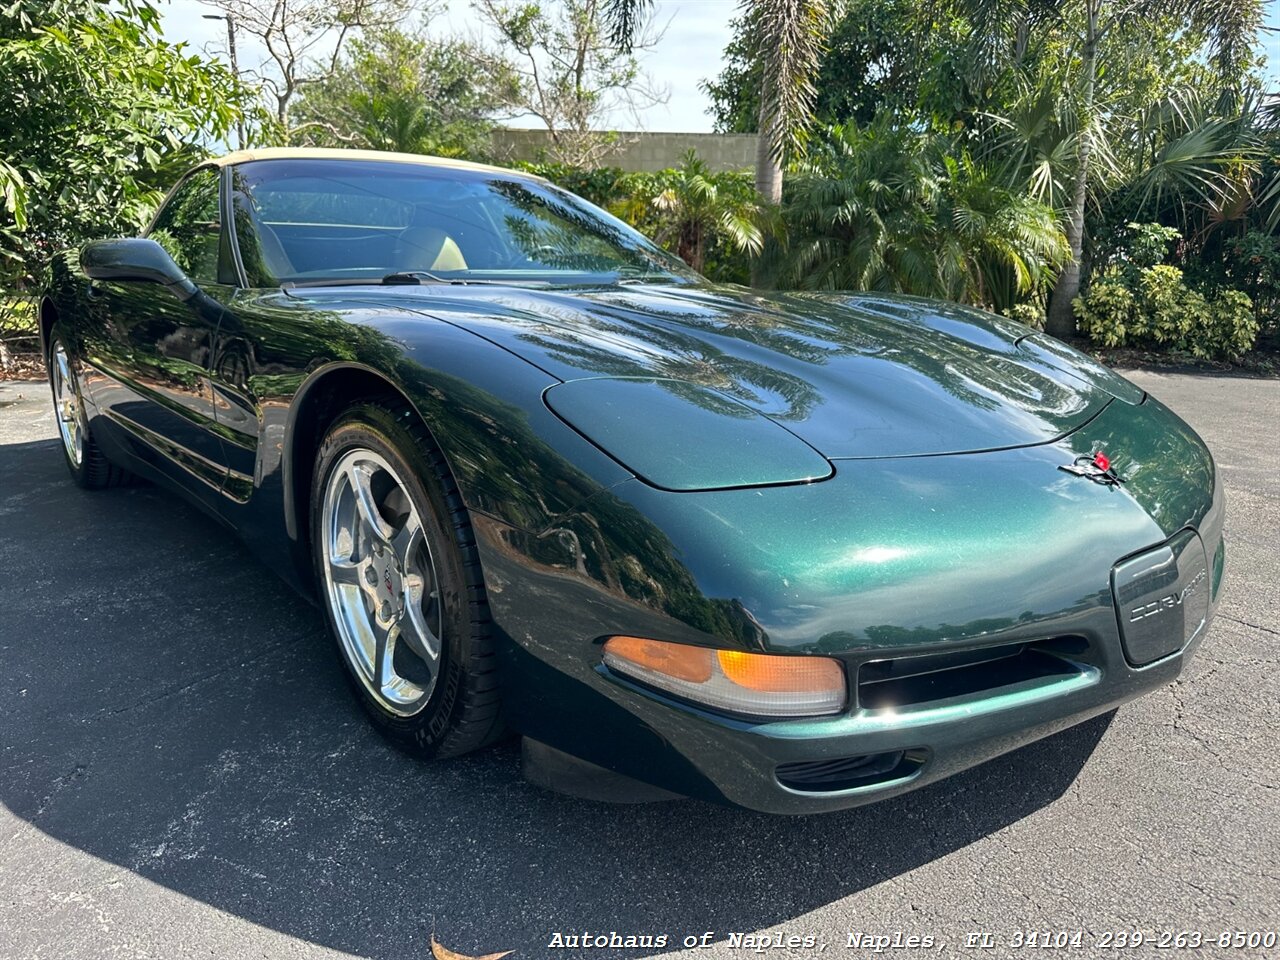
(424, 246)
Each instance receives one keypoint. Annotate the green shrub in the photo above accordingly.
(1031, 314)
(603, 186)
(19, 332)
(1231, 326)
(1153, 306)
(1167, 310)
(1106, 312)
(1252, 264)
(1147, 243)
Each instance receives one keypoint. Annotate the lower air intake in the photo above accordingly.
(846, 773)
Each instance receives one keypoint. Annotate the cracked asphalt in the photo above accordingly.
(183, 774)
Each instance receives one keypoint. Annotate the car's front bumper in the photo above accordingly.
(793, 766)
(612, 722)
(755, 765)
(909, 561)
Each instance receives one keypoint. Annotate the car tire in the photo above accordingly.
(88, 465)
(393, 595)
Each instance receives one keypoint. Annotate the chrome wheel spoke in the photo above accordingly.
(359, 476)
(405, 540)
(347, 573)
(383, 654)
(66, 406)
(417, 634)
(380, 581)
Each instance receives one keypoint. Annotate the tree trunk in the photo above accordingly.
(768, 170)
(1061, 320)
(768, 161)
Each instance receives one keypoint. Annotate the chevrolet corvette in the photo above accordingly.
(793, 552)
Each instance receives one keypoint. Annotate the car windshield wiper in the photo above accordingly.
(391, 279)
(417, 276)
(406, 278)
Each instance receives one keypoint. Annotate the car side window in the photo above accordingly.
(189, 226)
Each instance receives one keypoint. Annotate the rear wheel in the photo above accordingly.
(89, 466)
(400, 580)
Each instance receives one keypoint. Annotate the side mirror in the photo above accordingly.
(135, 259)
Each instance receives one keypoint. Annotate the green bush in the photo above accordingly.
(603, 186)
(1106, 312)
(1167, 310)
(17, 317)
(1154, 306)
(19, 332)
(1031, 314)
(1146, 244)
(1252, 264)
(1231, 326)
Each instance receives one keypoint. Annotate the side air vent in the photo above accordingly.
(917, 681)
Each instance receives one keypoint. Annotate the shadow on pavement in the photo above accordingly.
(167, 705)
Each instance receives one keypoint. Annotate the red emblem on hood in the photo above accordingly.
(1096, 466)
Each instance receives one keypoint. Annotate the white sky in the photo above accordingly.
(690, 51)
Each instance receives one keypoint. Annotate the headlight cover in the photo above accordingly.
(680, 436)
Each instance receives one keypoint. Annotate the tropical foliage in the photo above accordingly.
(101, 113)
(1139, 300)
(714, 221)
(1102, 113)
(1106, 163)
(885, 208)
(408, 92)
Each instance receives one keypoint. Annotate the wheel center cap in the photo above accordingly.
(387, 582)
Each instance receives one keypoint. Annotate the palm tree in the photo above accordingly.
(857, 216)
(1231, 26)
(996, 244)
(789, 36)
(888, 208)
(1178, 159)
(692, 207)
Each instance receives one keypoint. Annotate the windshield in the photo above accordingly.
(300, 221)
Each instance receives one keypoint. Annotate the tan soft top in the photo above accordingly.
(323, 153)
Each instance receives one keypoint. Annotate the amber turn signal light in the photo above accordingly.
(752, 684)
(677, 660)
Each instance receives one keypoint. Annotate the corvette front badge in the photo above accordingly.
(1096, 466)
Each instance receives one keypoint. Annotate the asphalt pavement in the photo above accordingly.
(183, 774)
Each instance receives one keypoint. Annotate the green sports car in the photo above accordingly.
(794, 552)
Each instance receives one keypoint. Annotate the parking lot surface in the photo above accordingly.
(183, 774)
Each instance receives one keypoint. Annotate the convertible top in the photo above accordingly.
(326, 153)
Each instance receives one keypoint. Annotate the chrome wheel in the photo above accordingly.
(66, 405)
(381, 581)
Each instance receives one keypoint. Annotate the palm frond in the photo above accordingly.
(789, 37)
(624, 18)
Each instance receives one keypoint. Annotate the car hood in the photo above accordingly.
(853, 375)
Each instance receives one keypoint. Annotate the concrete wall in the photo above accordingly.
(641, 150)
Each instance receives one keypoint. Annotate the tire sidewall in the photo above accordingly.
(79, 471)
(372, 427)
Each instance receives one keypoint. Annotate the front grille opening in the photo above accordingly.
(915, 681)
(848, 773)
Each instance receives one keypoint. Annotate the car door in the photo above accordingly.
(154, 350)
(265, 343)
(269, 340)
